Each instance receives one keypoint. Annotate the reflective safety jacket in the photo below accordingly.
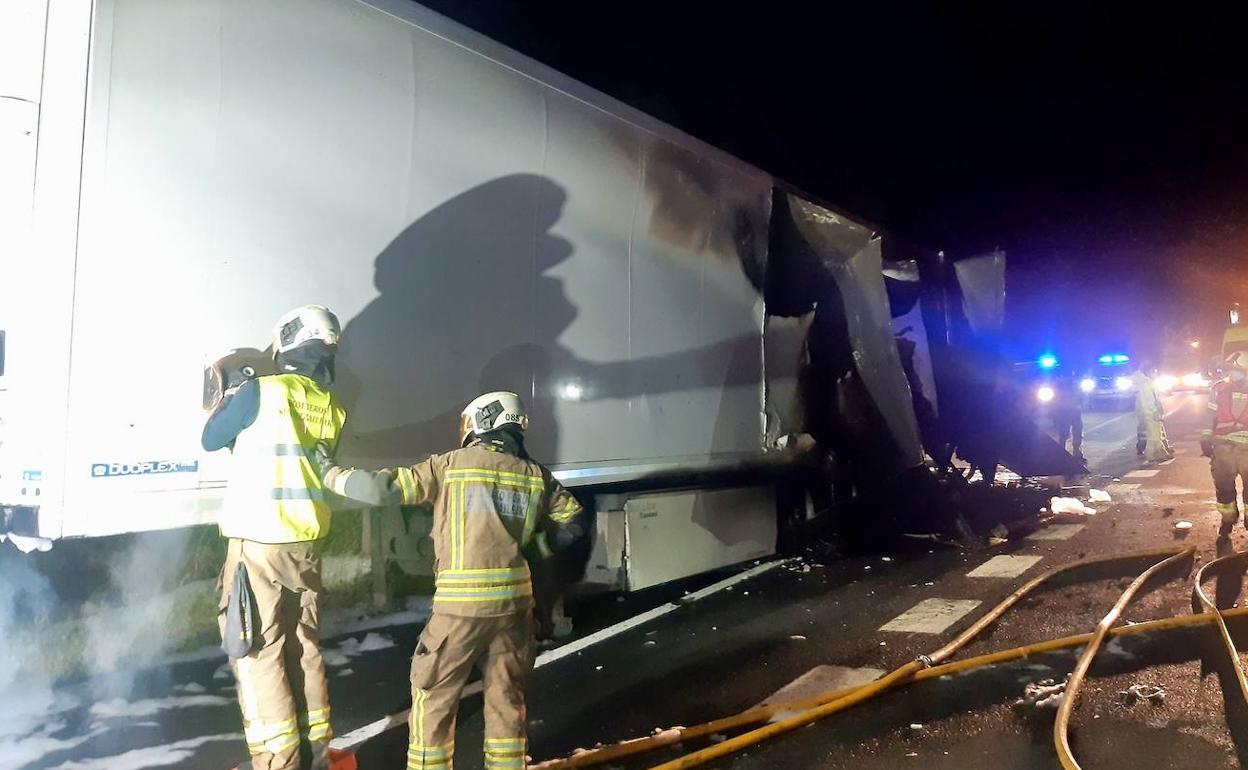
(489, 507)
(275, 494)
(1229, 409)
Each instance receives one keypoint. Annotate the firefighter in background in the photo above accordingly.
(274, 514)
(1150, 431)
(1067, 410)
(493, 508)
(1225, 442)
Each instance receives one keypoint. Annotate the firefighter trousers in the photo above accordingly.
(1229, 463)
(281, 682)
(449, 648)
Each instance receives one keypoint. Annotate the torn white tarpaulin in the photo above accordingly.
(27, 544)
(1070, 505)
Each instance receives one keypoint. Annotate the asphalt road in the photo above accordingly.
(735, 647)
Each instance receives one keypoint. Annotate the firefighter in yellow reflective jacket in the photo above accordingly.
(275, 513)
(492, 507)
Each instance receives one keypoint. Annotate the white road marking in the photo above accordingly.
(821, 679)
(731, 581)
(1004, 566)
(1143, 473)
(352, 740)
(1056, 532)
(1107, 423)
(931, 616)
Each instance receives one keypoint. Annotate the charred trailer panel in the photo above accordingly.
(477, 221)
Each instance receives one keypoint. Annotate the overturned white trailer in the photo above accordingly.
(180, 172)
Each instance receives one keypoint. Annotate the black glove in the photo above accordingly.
(322, 458)
(1206, 447)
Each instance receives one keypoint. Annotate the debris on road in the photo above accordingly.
(1045, 694)
(1181, 528)
(1099, 496)
(1070, 505)
(1143, 692)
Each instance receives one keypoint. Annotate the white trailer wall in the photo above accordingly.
(473, 226)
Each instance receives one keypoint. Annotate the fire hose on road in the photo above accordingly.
(826, 704)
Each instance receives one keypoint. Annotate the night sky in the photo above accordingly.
(1106, 150)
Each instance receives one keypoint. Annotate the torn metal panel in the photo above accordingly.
(875, 351)
(982, 280)
(835, 264)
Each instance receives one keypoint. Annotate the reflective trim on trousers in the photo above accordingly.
(271, 738)
(428, 757)
(505, 753)
(420, 756)
(315, 725)
(1229, 511)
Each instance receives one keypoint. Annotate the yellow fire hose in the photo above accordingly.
(1061, 737)
(754, 716)
(833, 702)
(1212, 609)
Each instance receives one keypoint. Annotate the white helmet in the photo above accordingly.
(303, 324)
(492, 411)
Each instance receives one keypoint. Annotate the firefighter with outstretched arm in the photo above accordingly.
(493, 508)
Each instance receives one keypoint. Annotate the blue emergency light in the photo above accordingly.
(1114, 358)
(1047, 361)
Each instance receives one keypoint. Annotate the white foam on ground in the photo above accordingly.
(358, 736)
(153, 756)
(353, 648)
(931, 616)
(117, 708)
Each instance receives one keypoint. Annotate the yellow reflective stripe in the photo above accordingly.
(315, 724)
(419, 697)
(461, 473)
(518, 743)
(480, 574)
(314, 716)
(522, 588)
(530, 516)
(407, 484)
(426, 753)
(275, 744)
(503, 763)
(527, 483)
(444, 598)
(460, 527)
(259, 732)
